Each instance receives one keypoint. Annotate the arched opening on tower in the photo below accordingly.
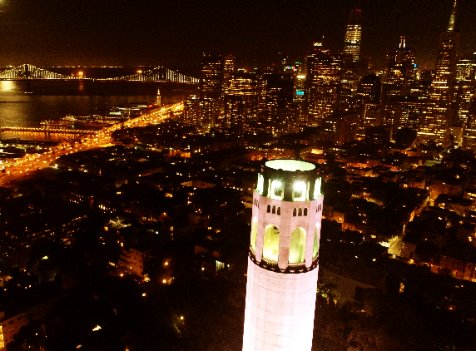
(276, 190)
(254, 232)
(299, 191)
(315, 249)
(297, 247)
(271, 243)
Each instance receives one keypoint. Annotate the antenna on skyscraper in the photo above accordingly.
(452, 22)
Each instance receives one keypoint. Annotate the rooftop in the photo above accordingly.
(290, 165)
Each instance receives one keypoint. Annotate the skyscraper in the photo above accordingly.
(228, 72)
(211, 72)
(353, 35)
(283, 258)
(323, 79)
(402, 105)
(369, 91)
(443, 82)
(401, 70)
(436, 124)
(469, 137)
(352, 67)
(465, 90)
(277, 96)
(240, 101)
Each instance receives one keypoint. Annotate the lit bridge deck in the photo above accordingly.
(12, 169)
(156, 74)
(58, 134)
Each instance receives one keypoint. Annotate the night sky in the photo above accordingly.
(174, 33)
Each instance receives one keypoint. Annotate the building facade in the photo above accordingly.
(323, 79)
(353, 35)
(440, 111)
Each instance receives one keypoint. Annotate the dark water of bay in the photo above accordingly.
(52, 100)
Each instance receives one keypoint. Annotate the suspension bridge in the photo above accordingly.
(158, 74)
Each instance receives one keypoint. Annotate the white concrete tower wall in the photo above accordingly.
(283, 258)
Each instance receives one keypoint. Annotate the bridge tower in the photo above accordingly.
(27, 74)
(283, 257)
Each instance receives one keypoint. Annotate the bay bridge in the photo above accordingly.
(156, 74)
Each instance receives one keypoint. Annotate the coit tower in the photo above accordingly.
(283, 257)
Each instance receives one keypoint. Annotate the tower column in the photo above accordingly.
(283, 258)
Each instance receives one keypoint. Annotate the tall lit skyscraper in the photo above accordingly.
(446, 62)
(369, 91)
(401, 69)
(278, 95)
(211, 72)
(283, 258)
(436, 124)
(228, 72)
(353, 35)
(209, 103)
(465, 89)
(323, 79)
(469, 137)
(352, 67)
(241, 101)
(402, 104)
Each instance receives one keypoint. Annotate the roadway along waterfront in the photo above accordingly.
(17, 168)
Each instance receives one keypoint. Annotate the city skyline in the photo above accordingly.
(174, 33)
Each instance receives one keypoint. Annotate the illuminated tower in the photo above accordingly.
(323, 78)
(352, 67)
(401, 69)
(353, 35)
(277, 95)
(442, 85)
(446, 62)
(283, 258)
(228, 72)
(211, 78)
(211, 74)
(158, 100)
(465, 89)
(241, 101)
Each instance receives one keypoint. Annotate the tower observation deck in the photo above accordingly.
(283, 257)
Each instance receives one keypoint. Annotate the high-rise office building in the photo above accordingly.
(323, 79)
(299, 99)
(440, 111)
(353, 35)
(201, 112)
(352, 66)
(241, 101)
(228, 72)
(465, 89)
(211, 76)
(216, 73)
(469, 136)
(275, 102)
(402, 103)
(369, 91)
(401, 70)
(445, 70)
(283, 258)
